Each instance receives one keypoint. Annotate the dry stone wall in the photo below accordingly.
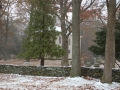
(56, 71)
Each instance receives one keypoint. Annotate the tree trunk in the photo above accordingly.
(5, 48)
(76, 63)
(0, 8)
(42, 62)
(110, 43)
(6, 39)
(0, 4)
(64, 61)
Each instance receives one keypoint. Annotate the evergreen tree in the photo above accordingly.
(99, 48)
(41, 34)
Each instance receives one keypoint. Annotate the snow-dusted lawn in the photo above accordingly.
(24, 82)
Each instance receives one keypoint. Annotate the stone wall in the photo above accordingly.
(34, 70)
(56, 71)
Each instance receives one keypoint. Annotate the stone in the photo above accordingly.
(88, 64)
(96, 65)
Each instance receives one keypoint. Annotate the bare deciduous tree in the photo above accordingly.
(110, 42)
(76, 64)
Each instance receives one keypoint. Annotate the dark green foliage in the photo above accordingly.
(41, 33)
(99, 48)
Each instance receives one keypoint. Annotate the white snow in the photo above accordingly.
(24, 82)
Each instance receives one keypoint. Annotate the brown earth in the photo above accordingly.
(31, 63)
(37, 63)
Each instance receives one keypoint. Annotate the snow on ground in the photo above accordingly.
(24, 82)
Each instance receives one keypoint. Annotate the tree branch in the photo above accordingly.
(89, 5)
(103, 23)
(69, 29)
(70, 4)
(118, 5)
(107, 4)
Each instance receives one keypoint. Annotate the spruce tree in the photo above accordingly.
(99, 47)
(41, 34)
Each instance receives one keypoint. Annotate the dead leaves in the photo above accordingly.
(23, 82)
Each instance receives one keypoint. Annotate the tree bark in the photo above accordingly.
(76, 63)
(42, 62)
(64, 61)
(0, 4)
(110, 42)
(0, 8)
(6, 38)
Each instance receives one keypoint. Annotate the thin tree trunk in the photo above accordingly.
(64, 61)
(6, 38)
(0, 8)
(110, 43)
(42, 62)
(5, 47)
(76, 63)
(42, 58)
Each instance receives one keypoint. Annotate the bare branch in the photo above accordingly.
(69, 29)
(88, 5)
(118, 5)
(107, 3)
(85, 4)
(57, 15)
(3, 11)
(25, 7)
(70, 4)
(65, 3)
(103, 22)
